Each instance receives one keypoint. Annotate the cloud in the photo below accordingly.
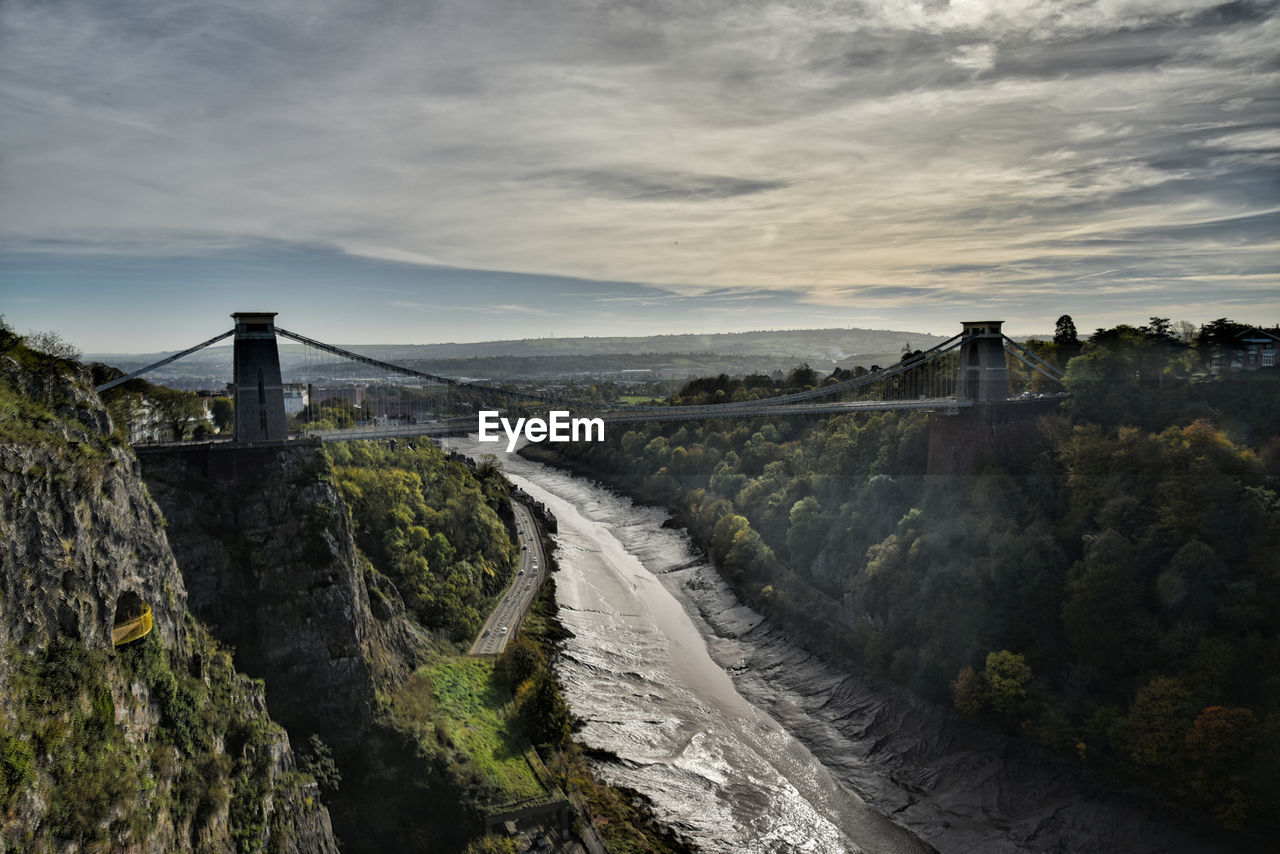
(832, 152)
(648, 186)
(975, 57)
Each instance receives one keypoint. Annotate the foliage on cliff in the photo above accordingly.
(1116, 599)
(131, 751)
(432, 527)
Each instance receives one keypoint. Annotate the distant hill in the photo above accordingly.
(682, 355)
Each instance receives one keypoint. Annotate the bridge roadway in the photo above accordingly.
(505, 619)
(457, 426)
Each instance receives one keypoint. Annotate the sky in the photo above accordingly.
(401, 171)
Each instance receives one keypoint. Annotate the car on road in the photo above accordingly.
(502, 631)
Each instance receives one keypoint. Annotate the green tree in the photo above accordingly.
(544, 713)
(1218, 338)
(802, 376)
(522, 659)
(1007, 675)
(806, 529)
(1157, 724)
(180, 411)
(1066, 337)
(224, 415)
(492, 844)
(317, 760)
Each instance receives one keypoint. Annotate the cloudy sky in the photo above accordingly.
(408, 171)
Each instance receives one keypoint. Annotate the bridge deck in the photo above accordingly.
(458, 426)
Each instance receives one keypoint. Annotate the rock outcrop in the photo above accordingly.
(157, 746)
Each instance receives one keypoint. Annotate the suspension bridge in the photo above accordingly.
(968, 371)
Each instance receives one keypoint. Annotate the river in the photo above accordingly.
(745, 743)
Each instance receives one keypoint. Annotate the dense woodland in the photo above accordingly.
(432, 526)
(1116, 597)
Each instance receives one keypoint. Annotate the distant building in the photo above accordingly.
(295, 397)
(1257, 349)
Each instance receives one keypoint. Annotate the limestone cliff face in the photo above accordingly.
(79, 527)
(271, 564)
(158, 746)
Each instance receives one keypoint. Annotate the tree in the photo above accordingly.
(180, 411)
(492, 844)
(805, 533)
(1117, 380)
(802, 376)
(546, 717)
(1007, 675)
(1065, 338)
(1217, 339)
(1220, 747)
(330, 413)
(1160, 329)
(970, 691)
(224, 414)
(1221, 739)
(520, 660)
(52, 344)
(317, 760)
(1156, 723)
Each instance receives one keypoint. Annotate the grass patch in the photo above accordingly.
(473, 716)
(637, 399)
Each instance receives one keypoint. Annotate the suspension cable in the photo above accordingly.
(847, 385)
(1053, 372)
(388, 366)
(162, 362)
(1015, 354)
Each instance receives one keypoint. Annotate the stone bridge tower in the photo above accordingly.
(983, 377)
(994, 429)
(259, 397)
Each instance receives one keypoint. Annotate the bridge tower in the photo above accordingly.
(259, 397)
(983, 376)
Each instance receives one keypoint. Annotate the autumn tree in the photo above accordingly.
(1219, 748)
(969, 691)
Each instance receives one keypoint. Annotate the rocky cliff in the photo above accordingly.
(264, 541)
(154, 746)
(271, 565)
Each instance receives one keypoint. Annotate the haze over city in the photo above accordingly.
(409, 172)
